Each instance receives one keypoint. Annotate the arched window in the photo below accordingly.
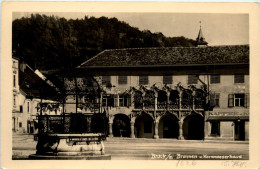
(138, 100)
(199, 99)
(162, 100)
(149, 99)
(174, 100)
(187, 99)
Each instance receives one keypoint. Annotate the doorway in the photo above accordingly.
(240, 130)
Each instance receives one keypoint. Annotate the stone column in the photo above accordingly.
(111, 119)
(181, 129)
(133, 99)
(132, 123)
(168, 100)
(143, 95)
(156, 124)
(155, 101)
(180, 100)
(206, 125)
(101, 102)
(193, 100)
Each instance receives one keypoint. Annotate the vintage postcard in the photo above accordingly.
(130, 84)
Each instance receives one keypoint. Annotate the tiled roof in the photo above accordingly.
(33, 86)
(170, 56)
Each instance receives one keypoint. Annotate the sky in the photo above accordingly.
(218, 29)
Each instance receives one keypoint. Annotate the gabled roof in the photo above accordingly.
(170, 56)
(33, 86)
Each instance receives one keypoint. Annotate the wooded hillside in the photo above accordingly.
(50, 42)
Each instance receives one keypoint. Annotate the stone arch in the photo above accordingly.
(144, 126)
(121, 125)
(168, 126)
(193, 127)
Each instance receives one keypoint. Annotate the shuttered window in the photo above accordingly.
(108, 100)
(192, 79)
(143, 80)
(116, 100)
(106, 80)
(167, 79)
(14, 80)
(247, 103)
(239, 78)
(214, 99)
(125, 100)
(122, 79)
(238, 100)
(231, 100)
(215, 78)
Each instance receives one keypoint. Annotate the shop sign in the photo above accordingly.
(228, 113)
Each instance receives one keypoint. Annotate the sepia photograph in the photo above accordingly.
(104, 85)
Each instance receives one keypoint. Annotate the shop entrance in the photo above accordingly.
(240, 130)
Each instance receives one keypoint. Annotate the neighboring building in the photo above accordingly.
(16, 112)
(27, 96)
(163, 92)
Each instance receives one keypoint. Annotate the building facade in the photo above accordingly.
(27, 100)
(178, 92)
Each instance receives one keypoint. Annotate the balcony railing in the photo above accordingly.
(149, 106)
(162, 106)
(199, 106)
(173, 106)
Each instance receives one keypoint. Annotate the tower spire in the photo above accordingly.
(200, 41)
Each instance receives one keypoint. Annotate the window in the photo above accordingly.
(14, 81)
(192, 79)
(214, 99)
(215, 128)
(143, 80)
(214, 78)
(106, 80)
(21, 109)
(14, 100)
(124, 100)
(108, 100)
(239, 78)
(122, 79)
(167, 79)
(147, 127)
(20, 124)
(237, 100)
(28, 107)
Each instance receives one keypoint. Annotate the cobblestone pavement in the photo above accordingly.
(150, 149)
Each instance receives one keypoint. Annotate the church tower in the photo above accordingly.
(200, 41)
